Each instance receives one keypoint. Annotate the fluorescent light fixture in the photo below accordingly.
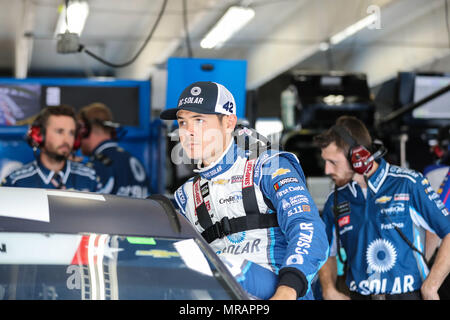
(77, 13)
(324, 46)
(354, 28)
(334, 100)
(232, 21)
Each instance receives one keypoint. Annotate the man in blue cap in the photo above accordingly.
(254, 210)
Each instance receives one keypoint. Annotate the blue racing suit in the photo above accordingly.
(74, 176)
(262, 258)
(379, 260)
(120, 172)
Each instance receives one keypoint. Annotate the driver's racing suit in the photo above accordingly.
(289, 249)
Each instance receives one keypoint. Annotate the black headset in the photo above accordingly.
(86, 126)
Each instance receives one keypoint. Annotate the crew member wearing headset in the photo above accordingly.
(120, 172)
(378, 213)
(254, 210)
(53, 136)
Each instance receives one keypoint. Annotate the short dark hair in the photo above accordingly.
(355, 128)
(61, 110)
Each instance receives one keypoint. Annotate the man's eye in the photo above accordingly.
(199, 120)
(181, 123)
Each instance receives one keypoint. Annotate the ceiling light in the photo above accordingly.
(232, 21)
(354, 28)
(334, 100)
(77, 12)
(324, 46)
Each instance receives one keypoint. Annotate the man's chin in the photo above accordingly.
(59, 157)
(339, 182)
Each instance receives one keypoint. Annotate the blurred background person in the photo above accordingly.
(53, 137)
(120, 172)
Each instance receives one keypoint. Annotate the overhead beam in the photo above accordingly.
(23, 43)
(157, 53)
(301, 35)
(406, 42)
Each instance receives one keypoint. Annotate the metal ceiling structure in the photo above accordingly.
(284, 35)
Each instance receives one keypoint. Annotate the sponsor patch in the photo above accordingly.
(280, 172)
(343, 207)
(383, 199)
(289, 190)
(284, 181)
(285, 204)
(299, 209)
(394, 209)
(236, 179)
(401, 197)
(181, 196)
(429, 190)
(221, 181)
(212, 172)
(198, 200)
(232, 198)
(343, 221)
(298, 199)
(204, 189)
(248, 173)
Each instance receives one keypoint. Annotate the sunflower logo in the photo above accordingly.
(381, 255)
(236, 237)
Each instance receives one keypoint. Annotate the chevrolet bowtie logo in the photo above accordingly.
(383, 199)
(221, 181)
(280, 172)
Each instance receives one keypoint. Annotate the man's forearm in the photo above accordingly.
(440, 269)
(328, 277)
(328, 274)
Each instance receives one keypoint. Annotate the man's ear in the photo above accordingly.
(230, 122)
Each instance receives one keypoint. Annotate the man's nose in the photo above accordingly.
(188, 130)
(328, 168)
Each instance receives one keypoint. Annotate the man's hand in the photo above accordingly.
(332, 294)
(284, 293)
(328, 276)
(438, 272)
(429, 292)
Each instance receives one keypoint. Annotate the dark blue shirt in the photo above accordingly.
(74, 176)
(120, 172)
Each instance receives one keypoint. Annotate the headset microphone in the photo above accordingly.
(360, 158)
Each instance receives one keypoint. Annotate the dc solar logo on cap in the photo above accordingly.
(203, 97)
